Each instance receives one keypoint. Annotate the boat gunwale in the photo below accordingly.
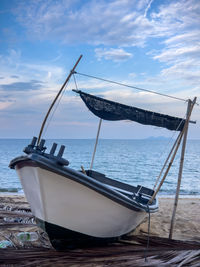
(35, 160)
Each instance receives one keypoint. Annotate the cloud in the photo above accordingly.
(174, 53)
(180, 52)
(14, 76)
(109, 23)
(5, 104)
(117, 26)
(112, 54)
(184, 38)
(23, 86)
(115, 22)
(148, 7)
(121, 24)
(13, 66)
(94, 22)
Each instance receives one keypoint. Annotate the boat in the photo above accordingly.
(80, 207)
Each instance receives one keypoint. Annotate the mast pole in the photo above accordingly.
(55, 99)
(189, 111)
(95, 147)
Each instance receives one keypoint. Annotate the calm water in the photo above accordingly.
(132, 161)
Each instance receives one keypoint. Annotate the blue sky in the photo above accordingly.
(150, 44)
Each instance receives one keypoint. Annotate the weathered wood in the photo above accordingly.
(167, 159)
(189, 112)
(169, 166)
(178, 141)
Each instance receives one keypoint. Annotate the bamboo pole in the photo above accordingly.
(55, 99)
(95, 147)
(169, 166)
(168, 157)
(177, 146)
(189, 111)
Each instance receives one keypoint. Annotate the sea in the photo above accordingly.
(136, 162)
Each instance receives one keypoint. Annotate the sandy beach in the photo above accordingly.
(16, 217)
(187, 224)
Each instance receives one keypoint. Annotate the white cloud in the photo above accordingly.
(122, 24)
(107, 22)
(93, 22)
(180, 55)
(27, 87)
(148, 7)
(12, 65)
(118, 23)
(118, 54)
(174, 53)
(5, 104)
(184, 38)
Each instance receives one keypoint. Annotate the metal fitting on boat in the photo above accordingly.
(61, 151)
(41, 146)
(53, 149)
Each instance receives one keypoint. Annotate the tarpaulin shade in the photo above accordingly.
(113, 111)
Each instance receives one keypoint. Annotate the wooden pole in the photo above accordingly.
(170, 153)
(189, 111)
(174, 154)
(169, 166)
(55, 99)
(95, 147)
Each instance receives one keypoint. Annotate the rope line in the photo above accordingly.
(130, 86)
(148, 235)
(75, 81)
(55, 108)
(58, 102)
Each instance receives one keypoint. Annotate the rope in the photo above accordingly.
(75, 82)
(149, 223)
(130, 86)
(56, 106)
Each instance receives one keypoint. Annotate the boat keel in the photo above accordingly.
(62, 238)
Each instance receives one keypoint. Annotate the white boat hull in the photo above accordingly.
(60, 201)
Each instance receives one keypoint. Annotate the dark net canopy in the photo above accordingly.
(113, 111)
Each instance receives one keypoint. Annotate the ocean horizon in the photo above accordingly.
(133, 161)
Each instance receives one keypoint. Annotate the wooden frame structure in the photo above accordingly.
(172, 154)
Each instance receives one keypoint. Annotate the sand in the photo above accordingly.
(187, 223)
(131, 251)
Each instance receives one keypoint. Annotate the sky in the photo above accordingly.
(150, 44)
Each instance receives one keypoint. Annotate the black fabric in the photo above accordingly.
(113, 111)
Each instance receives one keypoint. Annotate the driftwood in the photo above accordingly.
(129, 251)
